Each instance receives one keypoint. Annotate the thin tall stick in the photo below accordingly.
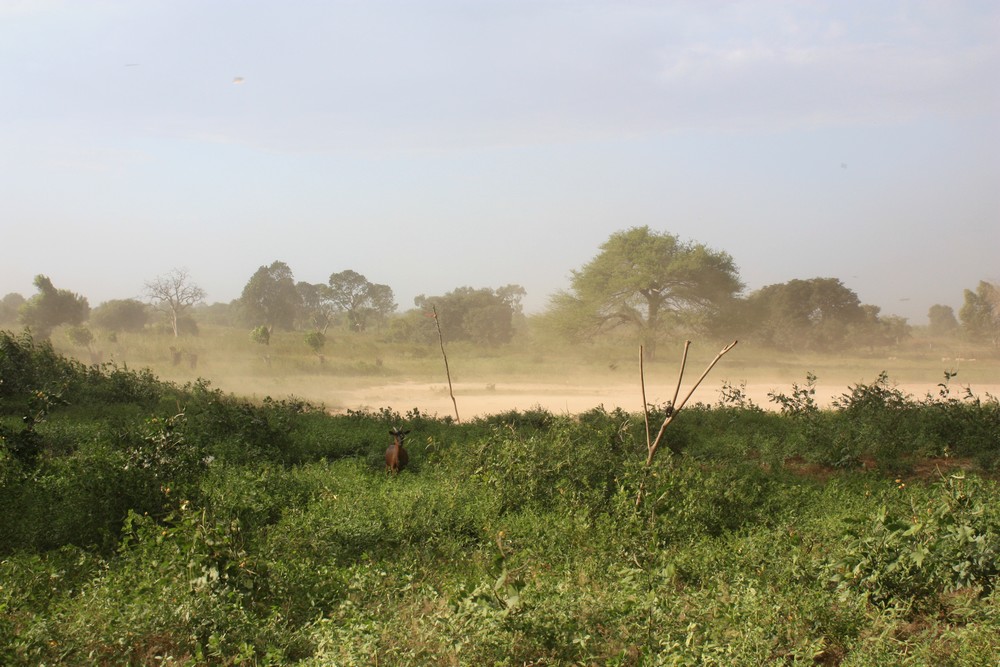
(645, 405)
(680, 374)
(651, 447)
(447, 371)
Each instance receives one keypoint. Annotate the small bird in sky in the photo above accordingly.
(237, 79)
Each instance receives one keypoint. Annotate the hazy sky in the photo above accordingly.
(437, 144)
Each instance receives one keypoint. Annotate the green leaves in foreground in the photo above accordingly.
(948, 542)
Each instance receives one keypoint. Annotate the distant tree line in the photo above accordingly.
(643, 285)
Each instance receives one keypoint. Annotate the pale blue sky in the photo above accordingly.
(431, 145)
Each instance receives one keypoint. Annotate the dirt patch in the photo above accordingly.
(482, 399)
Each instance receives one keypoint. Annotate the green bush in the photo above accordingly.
(145, 523)
(570, 464)
(912, 555)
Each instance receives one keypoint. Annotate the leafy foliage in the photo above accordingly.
(647, 281)
(482, 316)
(815, 314)
(365, 303)
(120, 315)
(270, 298)
(52, 307)
(980, 314)
(157, 524)
(945, 542)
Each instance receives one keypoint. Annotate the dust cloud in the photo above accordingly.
(478, 400)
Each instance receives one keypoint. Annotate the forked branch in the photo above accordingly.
(674, 407)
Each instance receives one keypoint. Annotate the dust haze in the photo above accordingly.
(361, 374)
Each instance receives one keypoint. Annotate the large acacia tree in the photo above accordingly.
(647, 281)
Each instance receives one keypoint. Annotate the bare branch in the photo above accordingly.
(447, 372)
(645, 406)
(672, 409)
(677, 407)
(173, 293)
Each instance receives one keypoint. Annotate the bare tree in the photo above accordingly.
(174, 293)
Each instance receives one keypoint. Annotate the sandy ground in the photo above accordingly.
(478, 400)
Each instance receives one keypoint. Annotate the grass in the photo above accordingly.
(150, 523)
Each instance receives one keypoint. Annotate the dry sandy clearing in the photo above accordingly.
(478, 399)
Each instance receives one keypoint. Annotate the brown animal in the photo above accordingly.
(396, 457)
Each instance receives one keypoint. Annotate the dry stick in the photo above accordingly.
(670, 410)
(677, 408)
(651, 448)
(677, 390)
(645, 416)
(645, 406)
(446, 370)
(680, 375)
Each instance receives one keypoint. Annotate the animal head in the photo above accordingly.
(398, 434)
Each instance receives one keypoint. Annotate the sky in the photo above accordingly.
(447, 143)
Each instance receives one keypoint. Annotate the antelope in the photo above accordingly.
(396, 457)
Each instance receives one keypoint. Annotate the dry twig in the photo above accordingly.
(447, 371)
(674, 407)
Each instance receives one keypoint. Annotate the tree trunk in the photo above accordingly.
(649, 346)
(649, 335)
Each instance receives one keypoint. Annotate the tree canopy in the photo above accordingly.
(649, 282)
(270, 297)
(52, 307)
(941, 320)
(813, 314)
(9, 307)
(365, 303)
(120, 315)
(980, 314)
(315, 308)
(483, 316)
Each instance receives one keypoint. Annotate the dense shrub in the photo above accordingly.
(911, 554)
(571, 463)
(145, 523)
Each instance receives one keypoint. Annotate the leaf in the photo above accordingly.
(918, 555)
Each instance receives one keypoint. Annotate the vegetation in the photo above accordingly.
(269, 298)
(120, 315)
(146, 522)
(480, 316)
(647, 281)
(10, 305)
(981, 313)
(643, 287)
(52, 307)
(174, 294)
(815, 314)
(364, 303)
